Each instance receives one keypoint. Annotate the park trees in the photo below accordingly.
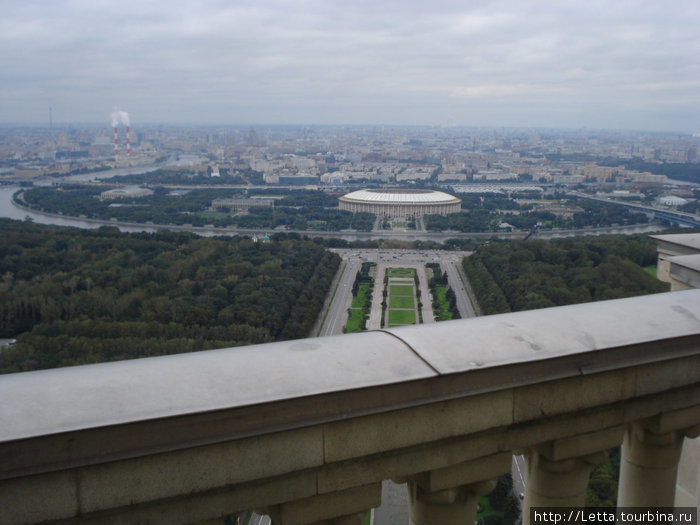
(524, 275)
(78, 296)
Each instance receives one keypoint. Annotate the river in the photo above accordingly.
(9, 210)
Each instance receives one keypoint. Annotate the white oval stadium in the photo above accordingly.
(401, 203)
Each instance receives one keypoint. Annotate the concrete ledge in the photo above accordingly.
(481, 469)
(368, 435)
(316, 421)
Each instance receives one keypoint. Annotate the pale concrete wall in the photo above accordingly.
(663, 268)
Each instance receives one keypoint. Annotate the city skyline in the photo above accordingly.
(630, 65)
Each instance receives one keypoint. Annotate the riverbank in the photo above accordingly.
(209, 231)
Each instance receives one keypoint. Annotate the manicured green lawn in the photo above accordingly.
(651, 270)
(401, 317)
(359, 301)
(401, 289)
(441, 291)
(401, 301)
(354, 323)
(442, 307)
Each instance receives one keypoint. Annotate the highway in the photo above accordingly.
(338, 308)
(678, 217)
(452, 265)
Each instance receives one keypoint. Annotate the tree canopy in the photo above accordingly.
(299, 210)
(524, 275)
(81, 296)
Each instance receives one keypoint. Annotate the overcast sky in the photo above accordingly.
(587, 63)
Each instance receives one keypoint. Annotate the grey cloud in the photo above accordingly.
(418, 62)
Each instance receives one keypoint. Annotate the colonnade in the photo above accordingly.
(557, 475)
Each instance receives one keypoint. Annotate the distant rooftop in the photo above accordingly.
(398, 196)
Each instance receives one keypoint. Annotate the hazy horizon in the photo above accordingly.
(627, 66)
(257, 125)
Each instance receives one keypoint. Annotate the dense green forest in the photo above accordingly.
(296, 211)
(81, 296)
(524, 275)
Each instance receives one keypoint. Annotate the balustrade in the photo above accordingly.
(306, 431)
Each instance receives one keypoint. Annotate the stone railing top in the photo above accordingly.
(537, 335)
(687, 241)
(62, 400)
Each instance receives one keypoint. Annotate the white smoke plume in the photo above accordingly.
(120, 116)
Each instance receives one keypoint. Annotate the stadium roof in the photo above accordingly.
(401, 196)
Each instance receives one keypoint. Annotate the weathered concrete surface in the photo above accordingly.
(303, 427)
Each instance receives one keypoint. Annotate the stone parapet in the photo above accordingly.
(308, 429)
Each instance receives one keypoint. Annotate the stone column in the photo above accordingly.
(648, 467)
(455, 506)
(557, 483)
(449, 496)
(557, 471)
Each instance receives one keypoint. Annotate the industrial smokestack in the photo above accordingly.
(123, 117)
(115, 122)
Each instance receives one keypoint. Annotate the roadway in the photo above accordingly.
(338, 308)
(517, 472)
(679, 217)
(452, 266)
